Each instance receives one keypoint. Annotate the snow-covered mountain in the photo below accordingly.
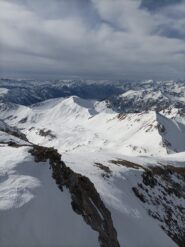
(122, 173)
(150, 95)
(122, 96)
(28, 92)
(73, 124)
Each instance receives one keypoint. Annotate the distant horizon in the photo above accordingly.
(58, 78)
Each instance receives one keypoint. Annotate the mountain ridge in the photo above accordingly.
(134, 158)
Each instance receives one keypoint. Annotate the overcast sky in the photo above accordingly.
(92, 39)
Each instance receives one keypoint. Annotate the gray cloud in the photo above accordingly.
(153, 5)
(110, 39)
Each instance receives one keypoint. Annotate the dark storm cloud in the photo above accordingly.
(154, 5)
(92, 39)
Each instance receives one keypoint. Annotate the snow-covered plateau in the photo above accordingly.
(79, 172)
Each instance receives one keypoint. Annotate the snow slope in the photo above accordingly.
(44, 216)
(91, 139)
(3, 91)
(33, 211)
(74, 124)
(173, 133)
(134, 226)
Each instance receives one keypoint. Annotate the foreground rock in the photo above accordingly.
(85, 199)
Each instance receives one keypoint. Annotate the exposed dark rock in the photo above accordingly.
(127, 164)
(148, 178)
(167, 194)
(43, 132)
(85, 199)
(14, 144)
(18, 134)
(162, 179)
(107, 171)
(17, 145)
(121, 116)
(139, 194)
(161, 128)
(12, 131)
(23, 120)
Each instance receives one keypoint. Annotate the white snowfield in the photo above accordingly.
(82, 125)
(33, 211)
(3, 91)
(86, 133)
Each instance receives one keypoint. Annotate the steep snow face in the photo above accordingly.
(173, 133)
(33, 211)
(73, 124)
(3, 91)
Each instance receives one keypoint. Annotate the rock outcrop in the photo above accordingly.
(85, 199)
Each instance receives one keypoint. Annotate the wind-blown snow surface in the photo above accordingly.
(87, 134)
(33, 211)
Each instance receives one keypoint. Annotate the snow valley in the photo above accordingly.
(92, 164)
